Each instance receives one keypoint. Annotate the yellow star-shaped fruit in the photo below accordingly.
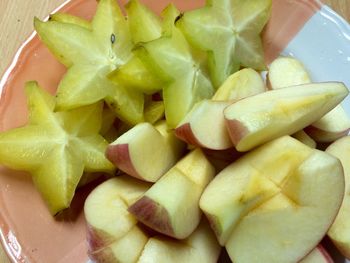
(56, 147)
(181, 69)
(230, 31)
(91, 52)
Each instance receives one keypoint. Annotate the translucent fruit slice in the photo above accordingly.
(56, 147)
(70, 19)
(229, 30)
(172, 59)
(135, 74)
(92, 51)
(140, 15)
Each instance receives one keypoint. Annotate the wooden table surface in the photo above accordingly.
(16, 18)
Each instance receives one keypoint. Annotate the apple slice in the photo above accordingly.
(285, 72)
(195, 127)
(242, 84)
(146, 151)
(273, 204)
(257, 119)
(332, 126)
(113, 234)
(304, 138)
(171, 206)
(201, 246)
(318, 255)
(340, 230)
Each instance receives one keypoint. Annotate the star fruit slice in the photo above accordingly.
(140, 15)
(56, 147)
(70, 19)
(181, 69)
(230, 31)
(134, 73)
(90, 55)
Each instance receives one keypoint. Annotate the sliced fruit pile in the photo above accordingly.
(210, 147)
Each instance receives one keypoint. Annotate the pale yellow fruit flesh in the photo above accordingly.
(244, 83)
(304, 203)
(177, 195)
(304, 138)
(201, 246)
(340, 230)
(255, 178)
(288, 71)
(272, 205)
(194, 127)
(111, 228)
(152, 150)
(263, 117)
(285, 72)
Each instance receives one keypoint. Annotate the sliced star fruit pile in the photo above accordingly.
(119, 62)
(162, 99)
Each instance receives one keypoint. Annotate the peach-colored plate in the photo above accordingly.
(28, 232)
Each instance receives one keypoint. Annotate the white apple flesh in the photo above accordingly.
(146, 151)
(241, 84)
(285, 72)
(204, 126)
(113, 234)
(171, 206)
(201, 247)
(339, 233)
(332, 126)
(304, 138)
(273, 204)
(258, 119)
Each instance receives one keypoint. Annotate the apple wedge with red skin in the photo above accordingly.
(171, 205)
(287, 71)
(146, 151)
(113, 234)
(201, 246)
(318, 255)
(258, 119)
(273, 204)
(204, 126)
(339, 233)
(332, 126)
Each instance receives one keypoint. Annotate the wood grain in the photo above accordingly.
(16, 18)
